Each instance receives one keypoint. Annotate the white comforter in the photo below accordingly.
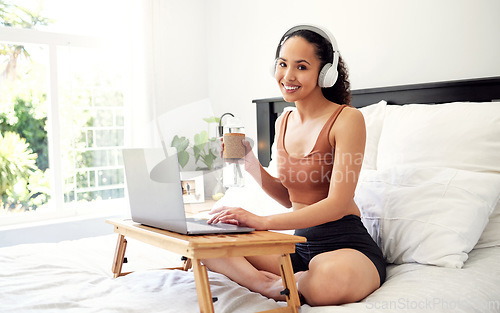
(75, 276)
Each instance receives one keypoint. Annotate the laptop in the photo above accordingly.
(155, 194)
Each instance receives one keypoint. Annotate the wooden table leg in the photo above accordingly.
(121, 245)
(290, 287)
(289, 283)
(202, 287)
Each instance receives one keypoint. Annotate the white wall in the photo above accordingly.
(384, 42)
(182, 52)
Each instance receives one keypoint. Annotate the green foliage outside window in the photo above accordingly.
(17, 161)
(30, 127)
(24, 183)
(23, 157)
(18, 171)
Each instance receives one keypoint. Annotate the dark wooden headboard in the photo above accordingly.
(474, 90)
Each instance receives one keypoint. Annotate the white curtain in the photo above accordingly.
(169, 76)
(140, 89)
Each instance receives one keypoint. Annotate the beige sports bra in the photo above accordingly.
(308, 178)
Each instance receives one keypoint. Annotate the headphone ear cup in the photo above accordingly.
(329, 73)
(327, 76)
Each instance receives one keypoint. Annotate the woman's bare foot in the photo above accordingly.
(273, 287)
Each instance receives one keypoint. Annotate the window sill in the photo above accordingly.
(71, 212)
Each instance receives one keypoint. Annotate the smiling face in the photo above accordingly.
(297, 69)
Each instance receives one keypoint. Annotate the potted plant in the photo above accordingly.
(205, 149)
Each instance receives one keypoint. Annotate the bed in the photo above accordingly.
(428, 191)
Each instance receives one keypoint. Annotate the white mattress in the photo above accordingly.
(75, 276)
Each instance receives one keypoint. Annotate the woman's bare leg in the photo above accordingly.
(338, 277)
(266, 281)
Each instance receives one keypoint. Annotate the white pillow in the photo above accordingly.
(426, 215)
(491, 234)
(457, 135)
(374, 119)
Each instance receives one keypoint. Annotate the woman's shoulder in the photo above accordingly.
(350, 119)
(345, 114)
(350, 115)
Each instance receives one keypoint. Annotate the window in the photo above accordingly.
(63, 99)
(92, 119)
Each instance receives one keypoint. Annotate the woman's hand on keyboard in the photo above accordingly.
(237, 216)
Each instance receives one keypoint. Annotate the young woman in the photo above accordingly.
(320, 151)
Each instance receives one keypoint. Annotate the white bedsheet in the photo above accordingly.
(75, 276)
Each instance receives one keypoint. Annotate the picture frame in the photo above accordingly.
(192, 184)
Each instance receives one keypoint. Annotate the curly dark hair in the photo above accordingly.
(340, 92)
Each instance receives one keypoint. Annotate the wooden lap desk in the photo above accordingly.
(196, 248)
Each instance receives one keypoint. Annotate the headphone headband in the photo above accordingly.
(318, 30)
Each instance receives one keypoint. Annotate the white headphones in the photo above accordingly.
(328, 74)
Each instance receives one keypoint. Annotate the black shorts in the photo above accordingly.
(347, 232)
